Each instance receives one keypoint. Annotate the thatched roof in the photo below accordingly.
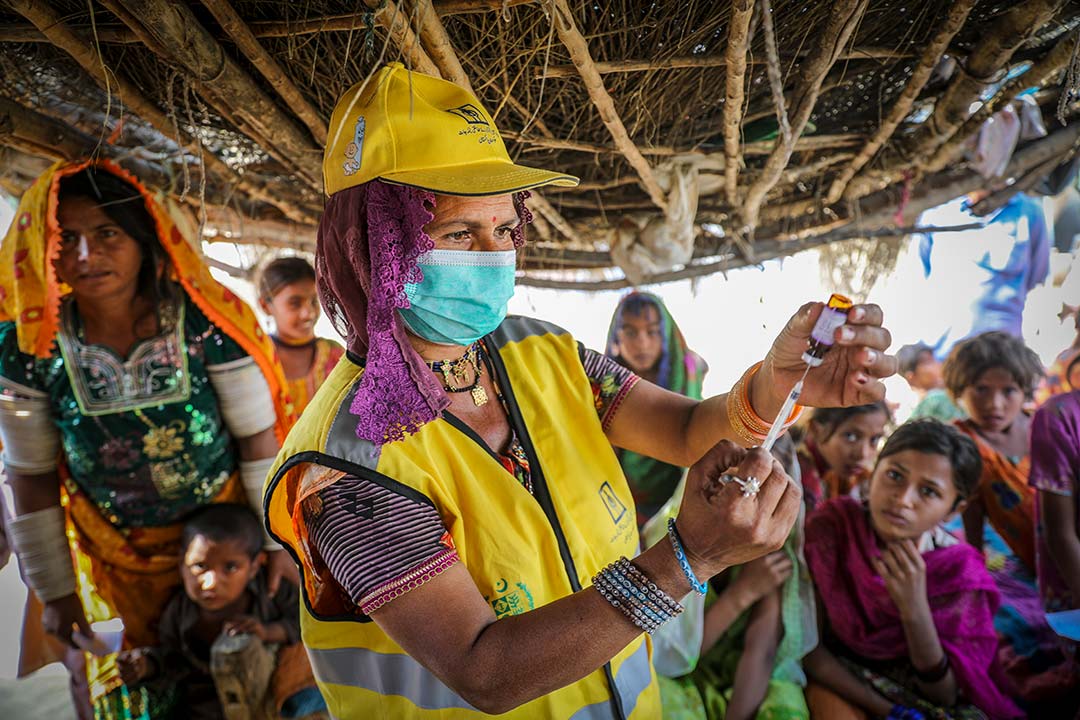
(628, 95)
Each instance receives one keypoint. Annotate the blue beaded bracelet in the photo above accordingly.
(680, 555)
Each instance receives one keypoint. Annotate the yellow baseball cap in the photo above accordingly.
(413, 129)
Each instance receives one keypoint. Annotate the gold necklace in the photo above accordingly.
(455, 374)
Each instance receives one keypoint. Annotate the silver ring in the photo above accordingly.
(750, 486)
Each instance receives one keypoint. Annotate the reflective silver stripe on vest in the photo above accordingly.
(632, 679)
(389, 674)
(341, 440)
(384, 674)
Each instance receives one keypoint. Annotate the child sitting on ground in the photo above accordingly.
(225, 593)
(905, 609)
(839, 449)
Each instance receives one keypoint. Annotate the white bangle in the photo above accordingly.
(243, 396)
(31, 440)
(253, 475)
(40, 542)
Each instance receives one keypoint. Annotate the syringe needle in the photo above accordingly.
(785, 411)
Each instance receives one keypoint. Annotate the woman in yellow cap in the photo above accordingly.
(451, 493)
(133, 389)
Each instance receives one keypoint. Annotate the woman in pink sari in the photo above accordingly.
(906, 610)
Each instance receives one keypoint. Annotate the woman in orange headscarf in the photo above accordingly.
(133, 388)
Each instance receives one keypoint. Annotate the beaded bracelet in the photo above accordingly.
(680, 555)
(635, 596)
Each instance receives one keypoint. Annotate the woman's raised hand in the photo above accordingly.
(850, 374)
(719, 525)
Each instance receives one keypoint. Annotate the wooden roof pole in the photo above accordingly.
(575, 42)
(187, 44)
(1039, 73)
(838, 29)
(395, 21)
(238, 30)
(927, 62)
(48, 22)
(735, 59)
(439, 48)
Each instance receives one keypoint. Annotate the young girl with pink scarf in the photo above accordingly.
(906, 610)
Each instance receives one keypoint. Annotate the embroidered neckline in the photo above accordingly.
(155, 373)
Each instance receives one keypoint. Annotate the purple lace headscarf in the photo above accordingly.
(370, 237)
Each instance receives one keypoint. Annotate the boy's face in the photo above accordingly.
(994, 400)
(910, 493)
(215, 574)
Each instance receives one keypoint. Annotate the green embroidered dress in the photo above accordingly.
(143, 437)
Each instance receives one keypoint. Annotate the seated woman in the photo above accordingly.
(905, 609)
(644, 338)
(737, 652)
(287, 294)
(838, 450)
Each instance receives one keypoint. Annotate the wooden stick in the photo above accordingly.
(762, 147)
(769, 250)
(838, 29)
(735, 59)
(542, 206)
(186, 43)
(576, 44)
(439, 48)
(32, 133)
(985, 63)
(1039, 74)
(708, 61)
(45, 19)
(902, 106)
(348, 22)
(396, 23)
(237, 29)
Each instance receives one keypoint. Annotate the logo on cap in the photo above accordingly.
(470, 114)
(355, 149)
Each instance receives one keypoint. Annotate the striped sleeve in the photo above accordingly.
(611, 383)
(377, 543)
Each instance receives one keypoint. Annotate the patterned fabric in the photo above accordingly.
(373, 539)
(1056, 380)
(144, 438)
(1006, 497)
(610, 381)
(1055, 468)
(302, 389)
(894, 682)
(379, 544)
(938, 405)
(863, 620)
(680, 370)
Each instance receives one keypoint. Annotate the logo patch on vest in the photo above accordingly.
(510, 602)
(615, 507)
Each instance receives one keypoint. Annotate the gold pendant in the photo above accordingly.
(479, 395)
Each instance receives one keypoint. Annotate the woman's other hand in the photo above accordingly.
(850, 374)
(720, 527)
(760, 577)
(134, 665)
(62, 615)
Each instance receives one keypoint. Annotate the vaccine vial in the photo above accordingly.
(833, 316)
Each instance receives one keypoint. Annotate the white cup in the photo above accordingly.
(106, 637)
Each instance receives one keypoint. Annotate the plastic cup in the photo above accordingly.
(106, 637)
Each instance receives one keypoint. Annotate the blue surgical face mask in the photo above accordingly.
(462, 297)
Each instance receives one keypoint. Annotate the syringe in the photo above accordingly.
(785, 411)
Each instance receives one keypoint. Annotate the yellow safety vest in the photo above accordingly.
(523, 551)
